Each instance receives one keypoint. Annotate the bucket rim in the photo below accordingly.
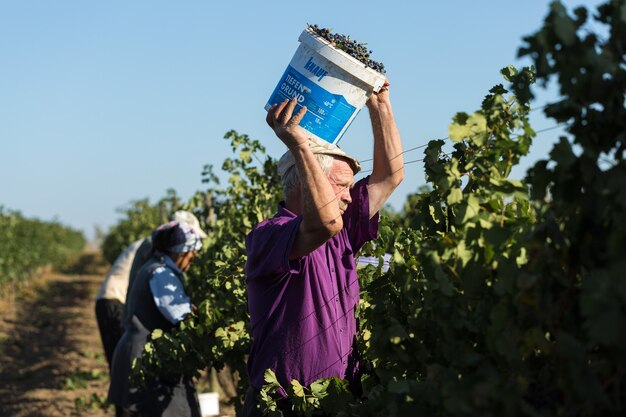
(342, 59)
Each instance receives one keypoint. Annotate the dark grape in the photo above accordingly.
(353, 48)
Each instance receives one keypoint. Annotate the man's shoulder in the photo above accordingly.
(278, 219)
(272, 230)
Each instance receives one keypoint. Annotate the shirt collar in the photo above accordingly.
(284, 211)
(170, 264)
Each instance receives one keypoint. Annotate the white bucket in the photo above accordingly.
(333, 86)
(209, 404)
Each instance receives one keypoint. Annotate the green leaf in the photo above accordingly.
(319, 387)
(564, 27)
(562, 153)
(468, 210)
(478, 128)
(474, 204)
(521, 259)
(297, 388)
(455, 196)
(458, 132)
(463, 253)
(246, 222)
(509, 73)
(398, 258)
(270, 378)
(473, 128)
(431, 211)
(245, 156)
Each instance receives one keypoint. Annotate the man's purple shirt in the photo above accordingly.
(303, 311)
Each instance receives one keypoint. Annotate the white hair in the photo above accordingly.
(291, 178)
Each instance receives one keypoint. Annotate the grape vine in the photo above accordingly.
(29, 244)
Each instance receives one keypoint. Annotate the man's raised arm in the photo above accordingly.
(321, 217)
(388, 171)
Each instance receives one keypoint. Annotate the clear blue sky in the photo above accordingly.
(104, 102)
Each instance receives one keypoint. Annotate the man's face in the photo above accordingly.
(341, 178)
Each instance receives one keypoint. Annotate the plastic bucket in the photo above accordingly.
(333, 86)
(209, 404)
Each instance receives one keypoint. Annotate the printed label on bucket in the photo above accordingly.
(327, 114)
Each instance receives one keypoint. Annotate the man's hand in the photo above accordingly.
(376, 99)
(286, 127)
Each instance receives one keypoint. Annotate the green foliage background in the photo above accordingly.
(29, 244)
(139, 219)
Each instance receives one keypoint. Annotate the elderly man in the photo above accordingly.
(301, 274)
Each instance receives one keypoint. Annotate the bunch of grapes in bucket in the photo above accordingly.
(353, 48)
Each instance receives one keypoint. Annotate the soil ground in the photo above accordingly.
(51, 358)
(52, 363)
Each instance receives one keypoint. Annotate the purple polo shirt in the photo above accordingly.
(302, 311)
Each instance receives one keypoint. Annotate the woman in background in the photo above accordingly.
(156, 300)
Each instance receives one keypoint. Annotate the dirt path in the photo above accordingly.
(51, 360)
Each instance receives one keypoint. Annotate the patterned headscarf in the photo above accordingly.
(176, 237)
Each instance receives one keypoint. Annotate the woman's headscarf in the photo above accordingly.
(176, 237)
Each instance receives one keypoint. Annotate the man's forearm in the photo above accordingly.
(388, 160)
(319, 208)
(388, 169)
(321, 217)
